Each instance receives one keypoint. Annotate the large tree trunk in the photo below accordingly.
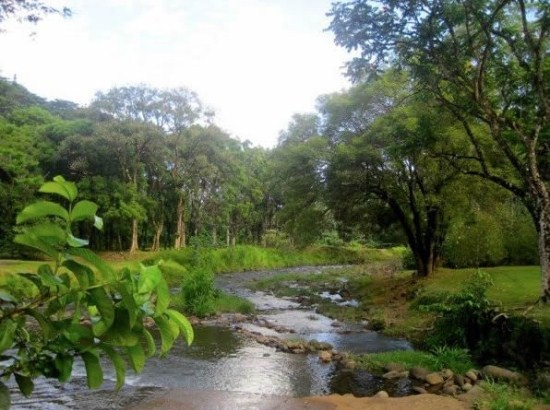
(156, 239)
(134, 246)
(425, 262)
(214, 236)
(544, 251)
(180, 227)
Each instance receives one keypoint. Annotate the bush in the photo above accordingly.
(198, 292)
(467, 319)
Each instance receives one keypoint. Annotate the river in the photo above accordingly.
(223, 359)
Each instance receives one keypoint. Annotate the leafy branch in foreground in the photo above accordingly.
(80, 306)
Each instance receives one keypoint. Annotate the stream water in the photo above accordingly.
(224, 359)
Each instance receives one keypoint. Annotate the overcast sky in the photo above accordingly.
(255, 62)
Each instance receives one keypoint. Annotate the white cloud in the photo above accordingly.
(256, 62)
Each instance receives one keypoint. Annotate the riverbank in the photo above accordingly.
(210, 400)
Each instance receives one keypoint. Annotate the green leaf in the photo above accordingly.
(98, 223)
(149, 278)
(183, 324)
(129, 303)
(104, 304)
(5, 398)
(83, 274)
(83, 210)
(60, 187)
(48, 331)
(120, 333)
(76, 242)
(78, 334)
(25, 384)
(42, 209)
(50, 233)
(118, 364)
(136, 355)
(105, 270)
(7, 334)
(169, 331)
(163, 297)
(151, 347)
(32, 241)
(64, 364)
(5, 297)
(93, 370)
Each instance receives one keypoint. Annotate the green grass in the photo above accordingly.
(515, 287)
(446, 358)
(225, 303)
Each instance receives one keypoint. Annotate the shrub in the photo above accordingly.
(198, 292)
(467, 319)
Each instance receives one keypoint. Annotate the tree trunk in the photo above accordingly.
(180, 227)
(156, 239)
(214, 236)
(544, 251)
(227, 236)
(134, 246)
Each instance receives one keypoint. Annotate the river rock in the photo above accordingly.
(501, 373)
(382, 394)
(467, 387)
(419, 373)
(472, 375)
(325, 356)
(419, 390)
(447, 374)
(394, 374)
(392, 366)
(459, 380)
(451, 390)
(434, 379)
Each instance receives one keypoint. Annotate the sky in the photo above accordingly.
(254, 62)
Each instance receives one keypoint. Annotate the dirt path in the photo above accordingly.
(219, 400)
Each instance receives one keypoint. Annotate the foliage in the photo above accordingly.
(79, 307)
(198, 293)
(468, 319)
(29, 10)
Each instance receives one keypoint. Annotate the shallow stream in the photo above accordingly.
(223, 359)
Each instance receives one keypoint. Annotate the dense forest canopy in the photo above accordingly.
(362, 169)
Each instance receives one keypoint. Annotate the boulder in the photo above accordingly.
(398, 367)
(434, 379)
(382, 394)
(467, 387)
(349, 364)
(459, 380)
(325, 356)
(419, 390)
(472, 375)
(394, 374)
(447, 374)
(419, 373)
(451, 390)
(503, 374)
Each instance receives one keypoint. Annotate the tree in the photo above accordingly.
(29, 10)
(298, 168)
(387, 156)
(487, 62)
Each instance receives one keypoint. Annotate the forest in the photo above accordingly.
(375, 165)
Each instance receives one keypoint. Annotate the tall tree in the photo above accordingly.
(388, 157)
(487, 62)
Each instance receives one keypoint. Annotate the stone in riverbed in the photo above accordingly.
(467, 387)
(398, 367)
(501, 373)
(471, 374)
(459, 380)
(419, 373)
(434, 379)
(419, 390)
(394, 374)
(447, 374)
(325, 356)
(382, 394)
